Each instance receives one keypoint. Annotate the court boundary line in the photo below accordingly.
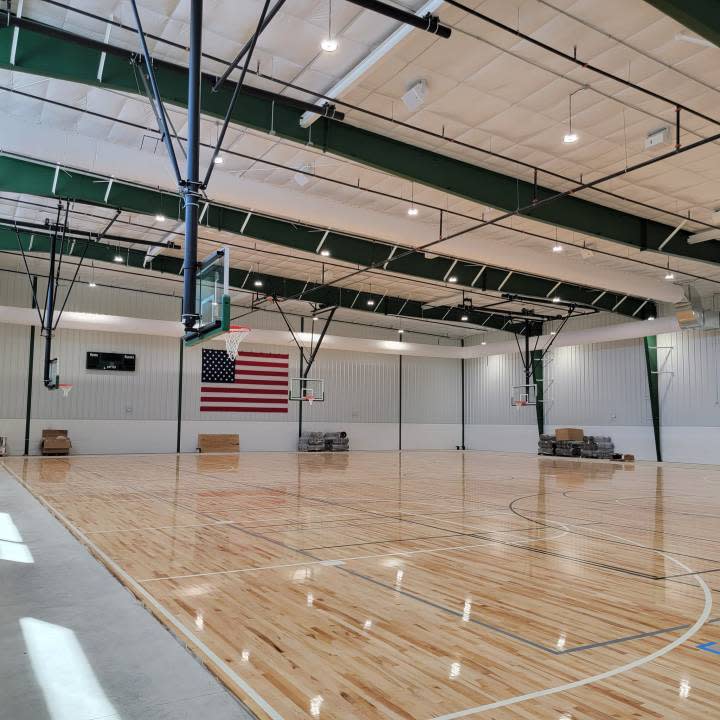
(639, 662)
(148, 600)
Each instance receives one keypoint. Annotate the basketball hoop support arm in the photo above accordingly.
(319, 342)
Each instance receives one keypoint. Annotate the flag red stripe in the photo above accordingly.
(258, 363)
(243, 381)
(235, 409)
(263, 355)
(269, 373)
(210, 398)
(254, 391)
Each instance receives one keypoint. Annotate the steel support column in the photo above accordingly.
(191, 188)
(651, 363)
(538, 376)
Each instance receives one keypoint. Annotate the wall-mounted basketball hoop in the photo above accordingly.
(66, 388)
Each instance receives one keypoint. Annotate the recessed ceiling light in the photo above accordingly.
(412, 211)
(570, 138)
(325, 253)
(218, 160)
(160, 217)
(557, 247)
(370, 302)
(329, 44)
(118, 258)
(556, 299)
(258, 283)
(464, 318)
(452, 279)
(669, 276)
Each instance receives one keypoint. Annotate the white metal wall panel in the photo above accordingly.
(14, 349)
(15, 290)
(488, 387)
(602, 384)
(689, 380)
(431, 390)
(149, 393)
(359, 388)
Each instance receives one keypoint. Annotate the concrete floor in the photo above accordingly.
(75, 645)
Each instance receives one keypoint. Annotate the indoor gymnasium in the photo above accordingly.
(359, 360)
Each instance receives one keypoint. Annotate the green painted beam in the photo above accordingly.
(49, 52)
(33, 178)
(651, 364)
(273, 285)
(700, 16)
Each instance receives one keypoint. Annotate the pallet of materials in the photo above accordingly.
(599, 447)
(337, 442)
(218, 443)
(311, 442)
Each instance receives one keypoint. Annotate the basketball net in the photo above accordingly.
(65, 389)
(309, 397)
(233, 337)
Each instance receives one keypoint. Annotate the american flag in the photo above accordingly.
(253, 382)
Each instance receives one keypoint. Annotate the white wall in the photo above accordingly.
(600, 387)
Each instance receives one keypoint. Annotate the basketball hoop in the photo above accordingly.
(65, 389)
(309, 397)
(233, 337)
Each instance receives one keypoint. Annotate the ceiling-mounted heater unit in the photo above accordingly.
(691, 316)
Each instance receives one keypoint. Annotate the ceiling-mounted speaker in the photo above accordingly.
(415, 96)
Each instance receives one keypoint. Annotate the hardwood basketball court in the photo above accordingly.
(416, 585)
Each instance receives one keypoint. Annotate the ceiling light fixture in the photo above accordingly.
(483, 342)
(118, 258)
(412, 210)
(552, 332)
(160, 217)
(570, 136)
(452, 279)
(370, 302)
(218, 160)
(400, 331)
(556, 299)
(669, 275)
(325, 253)
(464, 318)
(329, 44)
(557, 248)
(258, 283)
(651, 317)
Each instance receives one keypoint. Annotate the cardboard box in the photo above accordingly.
(628, 458)
(575, 434)
(55, 442)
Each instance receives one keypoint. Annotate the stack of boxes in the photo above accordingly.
(598, 446)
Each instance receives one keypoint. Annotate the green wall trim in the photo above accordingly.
(651, 364)
(46, 51)
(19, 175)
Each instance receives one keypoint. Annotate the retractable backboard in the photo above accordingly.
(212, 292)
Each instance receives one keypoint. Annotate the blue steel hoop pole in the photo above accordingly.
(191, 188)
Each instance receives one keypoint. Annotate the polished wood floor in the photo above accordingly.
(418, 585)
